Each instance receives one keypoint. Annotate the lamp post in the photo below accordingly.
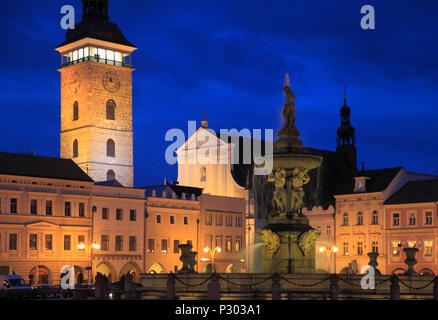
(328, 251)
(95, 245)
(212, 254)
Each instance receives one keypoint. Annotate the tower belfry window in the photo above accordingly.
(75, 149)
(75, 111)
(111, 110)
(110, 148)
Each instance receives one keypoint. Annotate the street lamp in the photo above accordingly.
(212, 253)
(328, 251)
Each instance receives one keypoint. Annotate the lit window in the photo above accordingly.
(428, 248)
(151, 245)
(163, 245)
(345, 245)
(412, 244)
(81, 240)
(228, 244)
(396, 245)
(238, 244)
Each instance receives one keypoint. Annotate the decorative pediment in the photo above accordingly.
(41, 224)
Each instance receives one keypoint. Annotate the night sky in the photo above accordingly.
(229, 58)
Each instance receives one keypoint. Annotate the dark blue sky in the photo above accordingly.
(229, 58)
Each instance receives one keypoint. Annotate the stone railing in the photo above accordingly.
(262, 286)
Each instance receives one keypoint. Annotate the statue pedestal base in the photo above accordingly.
(295, 252)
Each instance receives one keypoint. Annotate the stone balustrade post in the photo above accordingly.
(214, 288)
(435, 288)
(170, 294)
(276, 287)
(395, 287)
(334, 287)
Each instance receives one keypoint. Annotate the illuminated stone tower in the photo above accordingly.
(96, 97)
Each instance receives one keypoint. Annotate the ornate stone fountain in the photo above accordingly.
(288, 242)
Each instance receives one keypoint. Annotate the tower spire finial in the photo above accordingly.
(345, 94)
(286, 81)
(204, 122)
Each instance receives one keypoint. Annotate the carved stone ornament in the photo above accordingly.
(270, 240)
(111, 81)
(280, 196)
(307, 241)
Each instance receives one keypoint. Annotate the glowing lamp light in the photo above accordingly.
(335, 249)
(219, 249)
(205, 249)
(204, 259)
(81, 246)
(321, 249)
(96, 246)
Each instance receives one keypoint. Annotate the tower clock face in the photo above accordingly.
(111, 81)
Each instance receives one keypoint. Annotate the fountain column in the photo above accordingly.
(288, 242)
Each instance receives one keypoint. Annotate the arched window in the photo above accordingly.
(110, 175)
(359, 218)
(75, 149)
(203, 174)
(111, 110)
(110, 148)
(75, 111)
(345, 219)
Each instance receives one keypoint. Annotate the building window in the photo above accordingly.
(110, 175)
(328, 230)
(218, 219)
(428, 248)
(229, 221)
(360, 248)
(105, 213)
(428, 218)
(33, 238)
(132, 215)
(359, 218)
(375, 217)
(14, 205)
(119, 214)
(110, 148)
(81, 241)
(374, 246)
(67, 242)
(75, 111)
(345, 219)
(104, 241)
(132, 243)
(203, 174)
(238, 222)
(412, 219)
(208, 219)
(228, 247)
(75, 149)
(111, 110)
(163, 245)
(151, 245)
(395, 219)
(208, 241)
(49, 208)
(67, 209)
(119, 243)
(396, 246)
(238, 244)
(81, 209)
(186, 220)
(48, 242)
(13, 241)
(175, 246)
(158, 218)
(218, 242)
(345, 246)
(33, 206)
(172, 219)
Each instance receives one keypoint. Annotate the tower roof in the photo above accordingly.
(95, 24)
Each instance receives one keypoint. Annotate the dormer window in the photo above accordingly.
(360, 184)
